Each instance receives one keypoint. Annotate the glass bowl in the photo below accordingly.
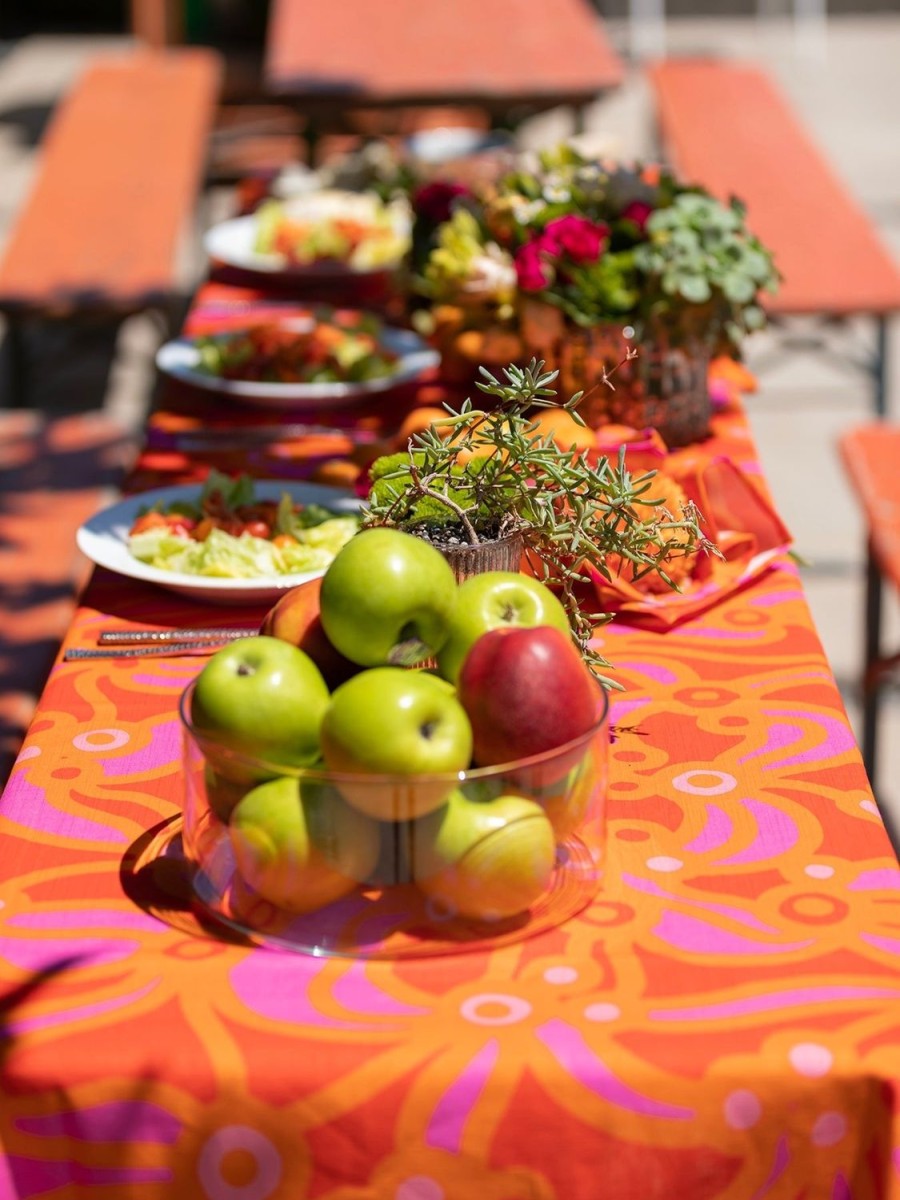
(394, 866)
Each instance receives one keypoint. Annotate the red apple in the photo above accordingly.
(526, 690)
(295, 618)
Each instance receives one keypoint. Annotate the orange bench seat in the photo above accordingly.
(725, 125)
(870, 455)
(117, 178)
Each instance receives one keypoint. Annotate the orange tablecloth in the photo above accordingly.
(722, 1021)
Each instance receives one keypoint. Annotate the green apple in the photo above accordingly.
(484, 859)
(494, 600)
(299, 845)
(570, 799)
(387, 724)
(258, 698)
(387, 598)
(222, 794)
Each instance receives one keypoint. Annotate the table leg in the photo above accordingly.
(871, 685)
(646, 29)
(17, 362)
(879, 365)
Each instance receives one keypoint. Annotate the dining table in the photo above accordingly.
(720, 1019)
(509, 58)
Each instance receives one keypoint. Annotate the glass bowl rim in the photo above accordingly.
(321, 774)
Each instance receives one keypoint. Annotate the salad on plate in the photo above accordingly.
(322, 350)
(231, 533)
(356, 230)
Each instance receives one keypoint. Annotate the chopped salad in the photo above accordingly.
(327, 350)
(359, 231)
(230, 533)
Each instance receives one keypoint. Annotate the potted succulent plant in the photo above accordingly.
(579, 258)
(493, 491)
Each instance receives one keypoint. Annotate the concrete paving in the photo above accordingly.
(846, 88)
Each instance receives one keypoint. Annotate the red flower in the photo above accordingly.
(579, 238)
(637, 211)
(434, 201)
(533, 272)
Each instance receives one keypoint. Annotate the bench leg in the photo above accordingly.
(871, 686)
(879, 365)
(17, 363)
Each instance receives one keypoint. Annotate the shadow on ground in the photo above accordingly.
(62, 457)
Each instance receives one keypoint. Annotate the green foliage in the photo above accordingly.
(570, 510)
(703, 272)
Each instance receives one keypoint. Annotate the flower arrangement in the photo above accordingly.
(602, 243)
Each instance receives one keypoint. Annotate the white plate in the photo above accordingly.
(233, 242)
(448, 142)
(104, 540)
(180, 359)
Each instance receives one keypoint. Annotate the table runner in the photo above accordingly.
(722, 1021)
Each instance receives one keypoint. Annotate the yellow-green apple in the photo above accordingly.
(527, 691)
(484, 859)
(222, 794)
(568, 797)
(388, 724)
(295, 617)
(258, 698)
(299, 845)
(387, 598)
(495, 600)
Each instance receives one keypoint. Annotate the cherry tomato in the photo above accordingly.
(149, 520)
(259, 529)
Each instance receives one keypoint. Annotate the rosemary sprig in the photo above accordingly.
(490, 470)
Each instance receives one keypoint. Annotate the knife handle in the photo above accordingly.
(160, 650)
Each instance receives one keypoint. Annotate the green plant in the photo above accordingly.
(699, 254)
(489, 471)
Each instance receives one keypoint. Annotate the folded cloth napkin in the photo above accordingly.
(737, 517)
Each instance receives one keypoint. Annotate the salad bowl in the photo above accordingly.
(105, 539)
(304, 236)
(402, 355)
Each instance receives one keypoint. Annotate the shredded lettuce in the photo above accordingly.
(224, 556)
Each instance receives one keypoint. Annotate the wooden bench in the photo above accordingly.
(726, 126)
(102, 229)
(871, 458)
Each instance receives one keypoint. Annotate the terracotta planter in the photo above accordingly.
(664, 388)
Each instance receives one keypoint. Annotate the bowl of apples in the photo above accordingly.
(398, 764)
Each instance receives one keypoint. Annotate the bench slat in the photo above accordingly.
(728, 128)
(871, 458)
(118, 175)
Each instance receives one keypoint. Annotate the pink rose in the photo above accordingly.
(533, 272)
(579, 238)
(637, 211)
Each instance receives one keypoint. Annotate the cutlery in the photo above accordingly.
(240, 436)
(159, 650)
(136, 637)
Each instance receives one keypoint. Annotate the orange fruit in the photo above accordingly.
(564, 429)
(337, 472)
(680, 568)
(481, 448)
(419, 419)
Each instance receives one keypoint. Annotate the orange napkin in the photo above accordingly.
(738, 518)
